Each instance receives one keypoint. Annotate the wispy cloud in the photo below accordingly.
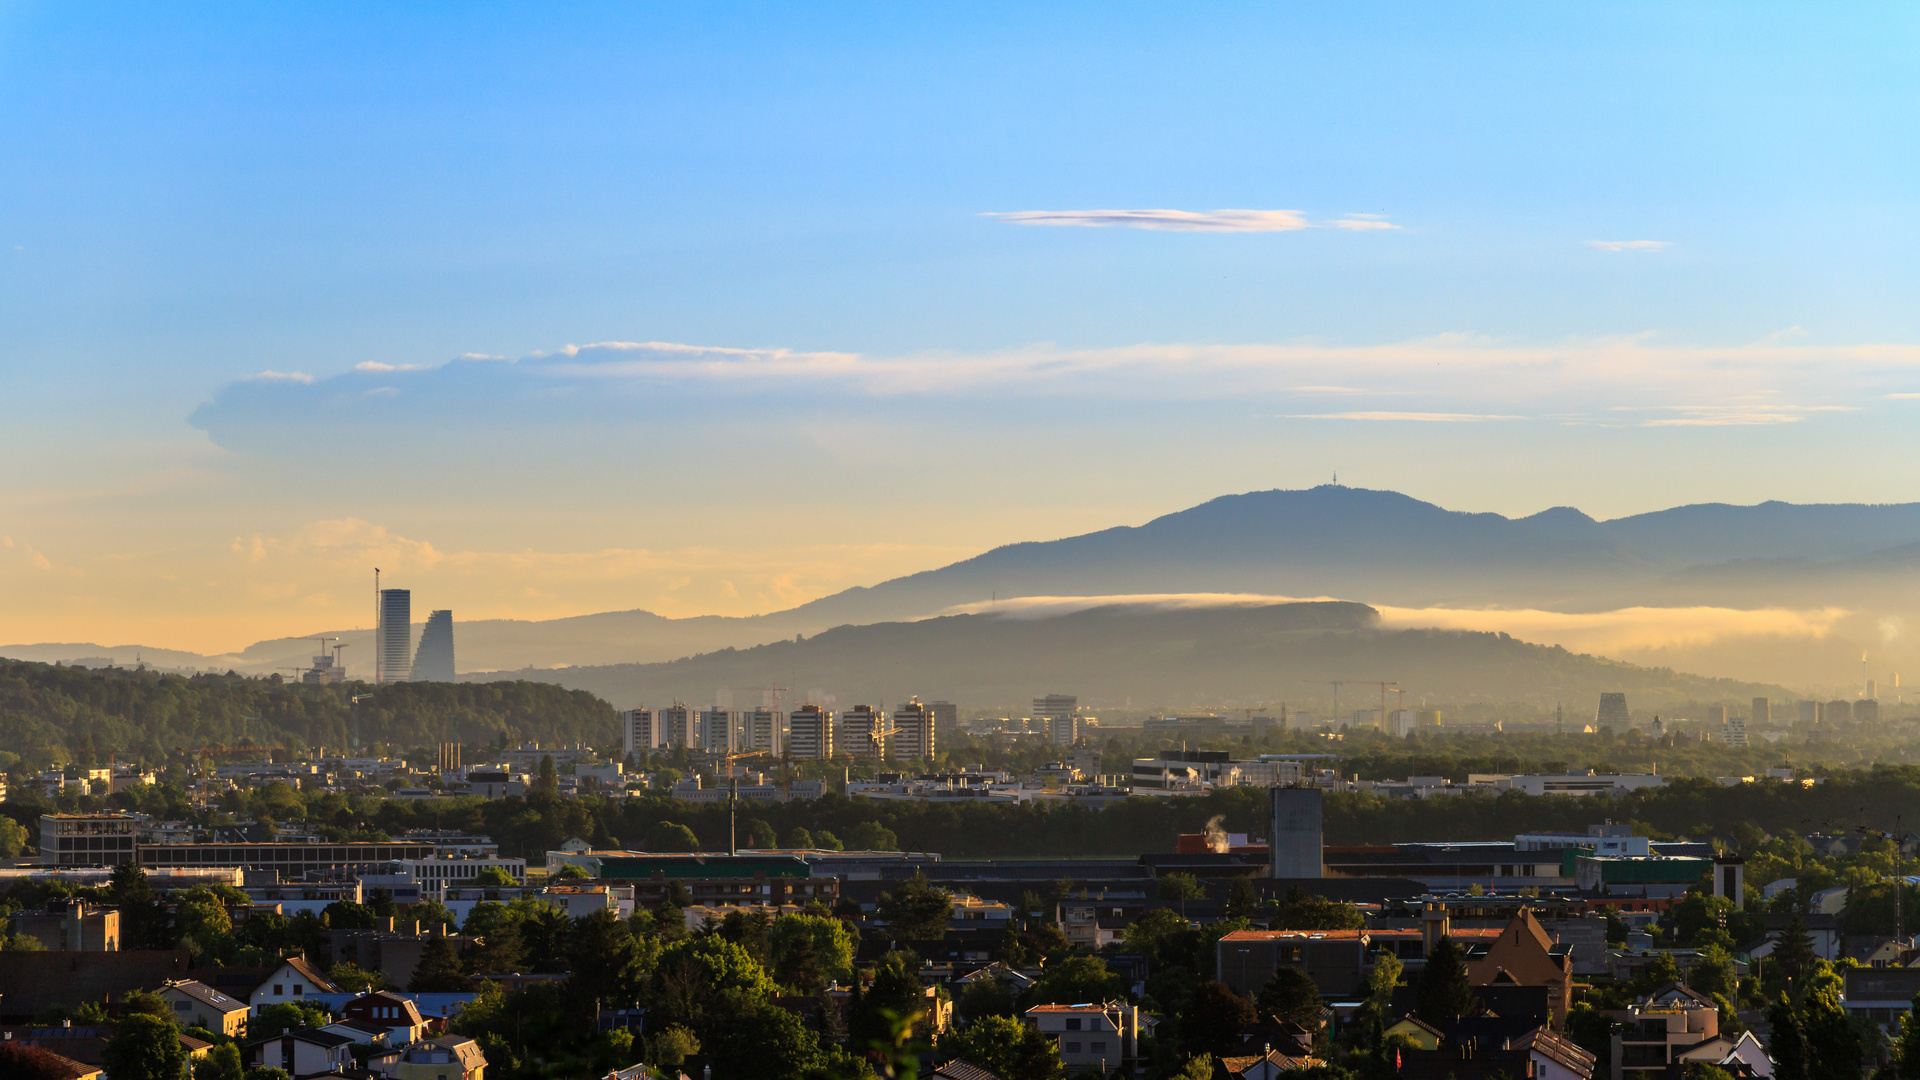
(1164, 220)
(1628, 245)
(1363, 222)
(375, 365)
(1418, 417)
(1740, 414)
(1192, 220)
(1904, 396)
(281, 376)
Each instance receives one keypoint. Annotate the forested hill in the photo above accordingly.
(50, 713)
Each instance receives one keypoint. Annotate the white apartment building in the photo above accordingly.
(861, 732)
(913, 735)
(760, 730)
(715, 728)
(640, 733)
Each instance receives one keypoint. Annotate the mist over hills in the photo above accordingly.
(1376, 547)
(1145, 656)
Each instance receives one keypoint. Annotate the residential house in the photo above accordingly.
(448, 1057)
(1737, 1055)
(1422, 1035)
(1263, 1066)
(383, 1008)
(307, 1052)
(362, 1032)
(293, 980)
(195, 1004)
(1104, 1035)
(1539, 1055)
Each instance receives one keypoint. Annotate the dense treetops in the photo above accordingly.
(61, 714)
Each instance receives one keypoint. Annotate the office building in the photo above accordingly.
(946, 719)
(863, 732)
(87, 839)
(1059, 716)
(1613, 712)
(716, 730)
(433, 662)
(1762, 717)
(393, 639)
(639, 733)
(913, 732)
(810, 733)
(761, 731)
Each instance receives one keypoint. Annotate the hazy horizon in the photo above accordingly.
(723, 311)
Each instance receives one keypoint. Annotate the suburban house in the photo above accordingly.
(398, 1015)
(1100, 1034)
(307, 1052)
(449, 1057)
(195, 1004)
(1268, 1066)
(293, 980)
(1881, 994)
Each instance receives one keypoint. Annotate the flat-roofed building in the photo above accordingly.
(913, 734)
(862, 732)
(639, 733)
(810, 733)
(88, 839)
(292, 861)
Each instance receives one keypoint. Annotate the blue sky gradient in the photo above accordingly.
(192, 196)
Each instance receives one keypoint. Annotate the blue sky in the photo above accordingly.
(885, 375)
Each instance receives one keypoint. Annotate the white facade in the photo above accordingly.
(760, 730)
(913, 737)
(715, 730)
(640, 733)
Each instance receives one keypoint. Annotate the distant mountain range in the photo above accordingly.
(1148, 657)
(1379, 547)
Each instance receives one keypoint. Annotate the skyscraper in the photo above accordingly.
(433, 662)
(393, 641)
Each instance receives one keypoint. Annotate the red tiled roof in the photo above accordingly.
(1295, 935)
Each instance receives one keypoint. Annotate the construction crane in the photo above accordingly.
(1337, 683)
(733, 793)
(1383, 698)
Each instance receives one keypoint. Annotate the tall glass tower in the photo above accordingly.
(434, 660)
(392, 642)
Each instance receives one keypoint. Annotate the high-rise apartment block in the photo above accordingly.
(1715, 715)
(393, 639)
(1735, 732)
(862, 732)
(1809, 711)
(677, 726)
(1837, 711)
(913, 732)
(810, 733)
(1762, 717)
(433, 662)
(1059, 716)
(639, 732)
(1866, 711)
(761, 731)
(716, 730)
(946, 719)
(1613, 712)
